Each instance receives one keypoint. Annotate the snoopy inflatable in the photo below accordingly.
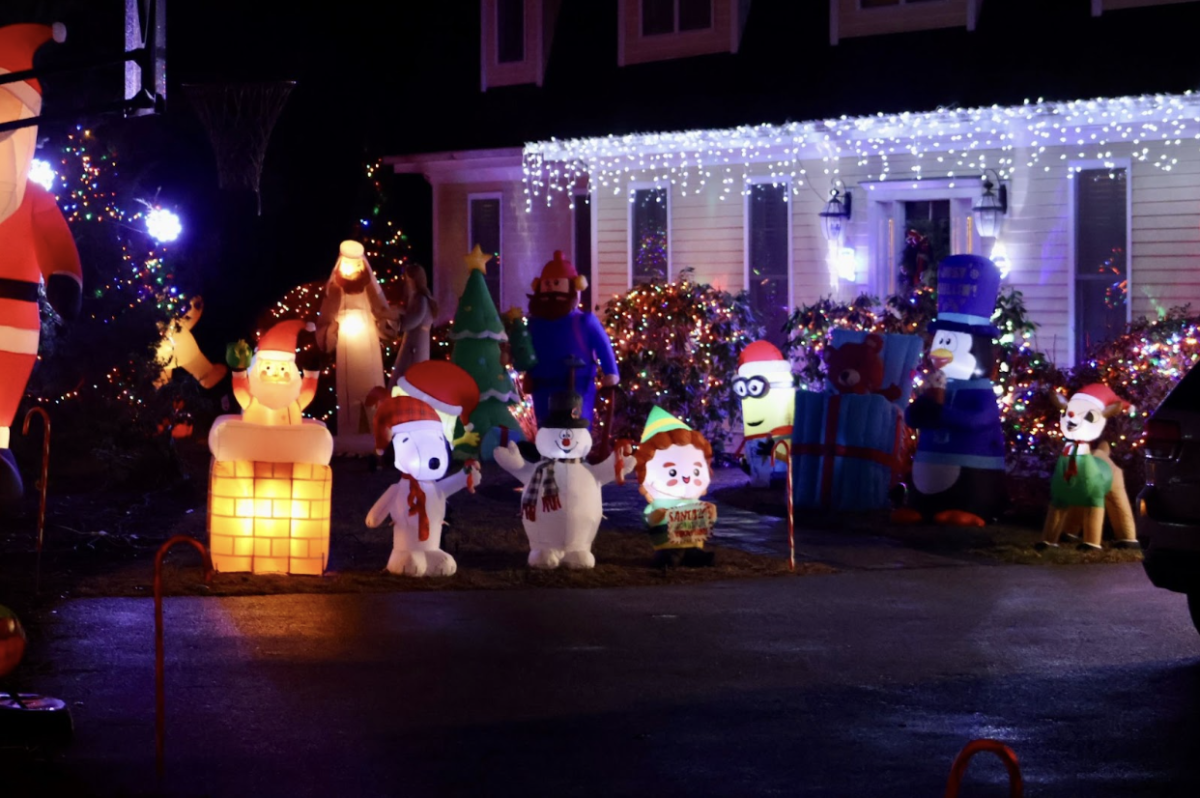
(560, 506)
(417, 503)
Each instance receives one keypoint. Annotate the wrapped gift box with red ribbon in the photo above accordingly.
(847, 450)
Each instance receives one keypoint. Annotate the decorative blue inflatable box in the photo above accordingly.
(845, 451)
(848, 449)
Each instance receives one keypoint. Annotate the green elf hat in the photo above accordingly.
(660, 421)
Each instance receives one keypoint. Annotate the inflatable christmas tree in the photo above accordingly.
(477, 334)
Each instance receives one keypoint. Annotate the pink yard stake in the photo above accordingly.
(785, 446)
(37, 577)
(160, 727)
(1007, 756)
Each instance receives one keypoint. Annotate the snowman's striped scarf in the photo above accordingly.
(543, 482)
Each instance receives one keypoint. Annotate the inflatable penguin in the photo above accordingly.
(958, 470)
(560, 505)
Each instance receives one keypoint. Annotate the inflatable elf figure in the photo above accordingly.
(674, 469)
(958, 470)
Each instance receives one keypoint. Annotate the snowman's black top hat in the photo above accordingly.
(566, 407)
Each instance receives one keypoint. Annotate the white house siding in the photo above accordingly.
(527, 241)
(708, 234)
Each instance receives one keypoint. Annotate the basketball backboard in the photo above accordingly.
(118, 38)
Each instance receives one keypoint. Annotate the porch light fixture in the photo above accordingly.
(991, 206)
(836, 214)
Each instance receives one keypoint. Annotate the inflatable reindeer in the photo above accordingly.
(1086, 481)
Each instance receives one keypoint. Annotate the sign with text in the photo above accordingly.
(690, 524)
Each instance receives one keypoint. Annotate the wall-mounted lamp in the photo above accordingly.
(991, 206)
(836, 213)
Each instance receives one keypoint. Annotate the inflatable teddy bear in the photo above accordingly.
(857, 368)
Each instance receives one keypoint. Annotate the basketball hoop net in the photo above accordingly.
(239, 118)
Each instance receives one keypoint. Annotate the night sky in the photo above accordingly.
(378, 78)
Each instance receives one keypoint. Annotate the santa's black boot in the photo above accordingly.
(11, 489)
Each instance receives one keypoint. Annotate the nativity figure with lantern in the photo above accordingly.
(354, 318)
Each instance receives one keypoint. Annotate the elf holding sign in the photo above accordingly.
(674, 469)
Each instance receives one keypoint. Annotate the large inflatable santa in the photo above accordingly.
(35, 242)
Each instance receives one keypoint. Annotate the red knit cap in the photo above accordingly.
(395, 411)
(557, 268)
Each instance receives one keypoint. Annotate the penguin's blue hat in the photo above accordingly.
(967, 289)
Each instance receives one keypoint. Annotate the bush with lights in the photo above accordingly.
(677, 345)
(96, 375)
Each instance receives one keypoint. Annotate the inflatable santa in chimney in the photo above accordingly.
(35, 243)
(273, 391)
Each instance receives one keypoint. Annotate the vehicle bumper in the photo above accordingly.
(1171, 553)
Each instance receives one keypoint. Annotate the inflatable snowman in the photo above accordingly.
(560, 506)
(417, 503)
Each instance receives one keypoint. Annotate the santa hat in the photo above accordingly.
(18, 43)
(1101, 396)
(559, 269)
(408, 412)
(445, 386)
(280, 340)
(763, 359)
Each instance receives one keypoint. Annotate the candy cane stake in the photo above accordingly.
(1007, 756)
(160, 705)
(41, 526)
(623, 448)
(784, 447)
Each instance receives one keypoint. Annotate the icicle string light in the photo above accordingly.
(945, 143)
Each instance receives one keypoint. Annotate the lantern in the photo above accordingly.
(836, 214)
(991, 207)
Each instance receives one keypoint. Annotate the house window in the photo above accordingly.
(931, 219)
(582, 229)
(510, 31)
(648, 236)
(768, 244)
(1101, 257)
(484, 226)
(675, 16)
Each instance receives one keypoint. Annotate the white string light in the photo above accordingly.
(944, 143)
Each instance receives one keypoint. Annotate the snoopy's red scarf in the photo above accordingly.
(416, 506)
